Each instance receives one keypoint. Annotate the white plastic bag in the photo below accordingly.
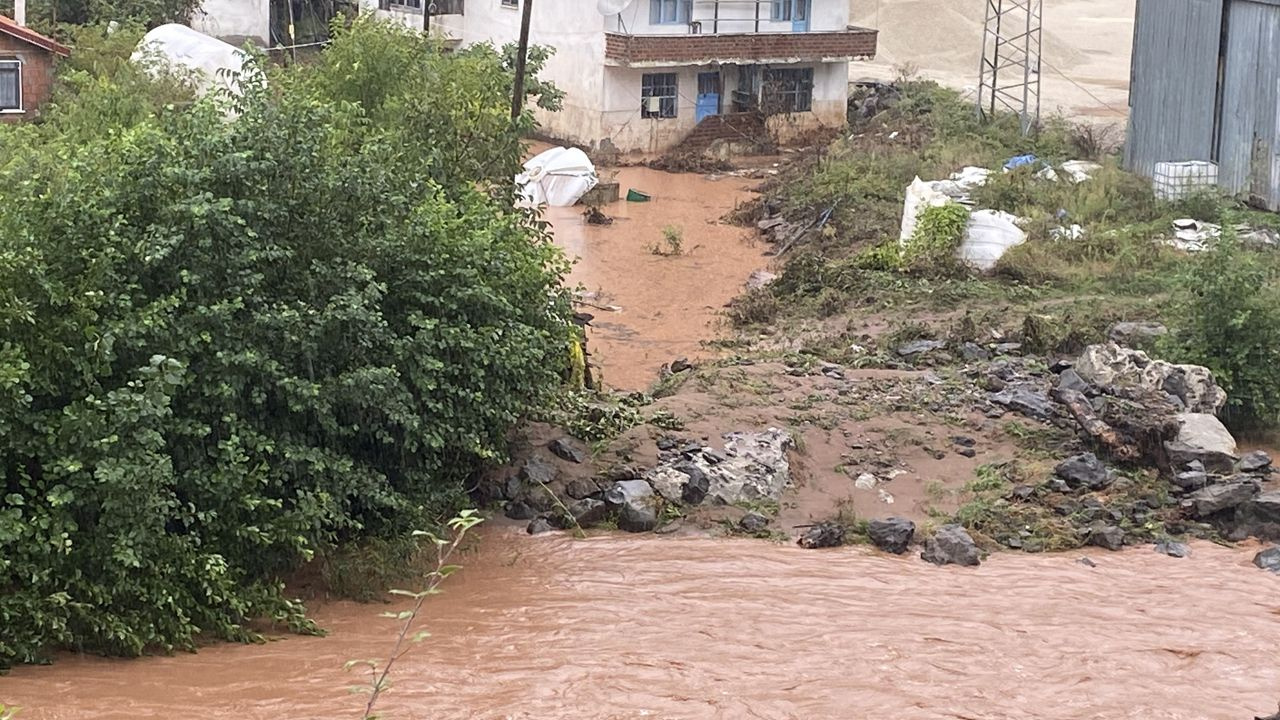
(989, 235)
(920, 195)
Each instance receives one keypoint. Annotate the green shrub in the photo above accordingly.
(933, 244)
(226, 346)
(1227, 318)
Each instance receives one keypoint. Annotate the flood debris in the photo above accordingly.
(594, 216)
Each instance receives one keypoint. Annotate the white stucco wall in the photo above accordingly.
(235, 20)
(734, 18)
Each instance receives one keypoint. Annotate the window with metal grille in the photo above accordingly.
(787, 90)
(10, 85)
(662, 12)
(658, 95)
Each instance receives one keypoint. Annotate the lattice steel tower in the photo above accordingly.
(1010, 72)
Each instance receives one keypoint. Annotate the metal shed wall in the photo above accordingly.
(1174, 84)
(1250, 136)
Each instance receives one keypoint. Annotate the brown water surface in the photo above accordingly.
(646, 627)
(669, 305)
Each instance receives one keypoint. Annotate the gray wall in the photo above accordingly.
(1173, 90)
(1250, 138)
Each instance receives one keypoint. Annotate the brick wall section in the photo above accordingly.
(37, 75)
(729, 126)
(648, 49)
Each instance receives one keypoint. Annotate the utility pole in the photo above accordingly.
(426, 18)
(517, 94)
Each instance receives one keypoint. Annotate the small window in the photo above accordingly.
(10, 85)
(788, 90)
(667, 12)
(407, 4)
(509, 3)
(780, 10)
(658, 95)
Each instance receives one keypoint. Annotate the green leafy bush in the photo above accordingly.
(931, 250)
(227, 345)
(1227, 318)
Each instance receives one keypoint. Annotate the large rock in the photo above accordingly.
(1202, 437)
(1173, 549)
(822, 535)
(951, 545)
(567, 449)
(1257, 461)
(920, 347)
(1259, 517)
(636, 503)
(753, 467)
(1110, 366)
(1026, 398)
(1084, 471)
(893, 535)
(1268, 559)
(1223, 496)
(589, 511)
(1136, 334)
(1106, 536)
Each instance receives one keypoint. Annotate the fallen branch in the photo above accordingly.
(1093, 426)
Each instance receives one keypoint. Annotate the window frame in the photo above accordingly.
(681, 12)
(17, 65)
(787, 90)
(780, 10)
(669, 99)
(513, 4)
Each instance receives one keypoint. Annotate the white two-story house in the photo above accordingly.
(641, 75)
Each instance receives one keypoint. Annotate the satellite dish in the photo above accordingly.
(611, 7)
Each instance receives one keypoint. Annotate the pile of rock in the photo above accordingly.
(750, 468)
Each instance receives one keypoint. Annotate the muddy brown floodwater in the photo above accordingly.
(644, 627)
(669, 304)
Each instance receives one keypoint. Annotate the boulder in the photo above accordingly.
(566, 449)
(1112, 367)
(696, 487)
(1259, 517)
(1071, 380)
(517, 510)
(589, 511)
(822, 535)
(973, 352)
(753, 522)
(537, 471)
(1173, 549)
(579, 488)
(1266, 507)
(893, 535)
(951, 545)
(1191, 479)
(1254, 462)
(1026, 398)
(1106, 536)
(920, 347)
(1223, 496)
(1136, 334)
(636, 504)
(1202, 437)
(1268, 559)
(1084, 471)
(539, 525)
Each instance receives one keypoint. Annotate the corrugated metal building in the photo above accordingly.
(1205, 85)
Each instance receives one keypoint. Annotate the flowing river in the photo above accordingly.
(648, 627)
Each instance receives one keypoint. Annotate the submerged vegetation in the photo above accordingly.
(230, 346)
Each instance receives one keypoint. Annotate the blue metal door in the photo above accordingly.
(800, 15)
(708, 95)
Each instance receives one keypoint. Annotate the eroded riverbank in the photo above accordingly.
(644, 627)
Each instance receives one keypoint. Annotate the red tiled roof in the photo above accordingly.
(26, 34)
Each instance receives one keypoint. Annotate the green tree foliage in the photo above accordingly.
(1227, 319)
(229, 344)
(47, 15)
